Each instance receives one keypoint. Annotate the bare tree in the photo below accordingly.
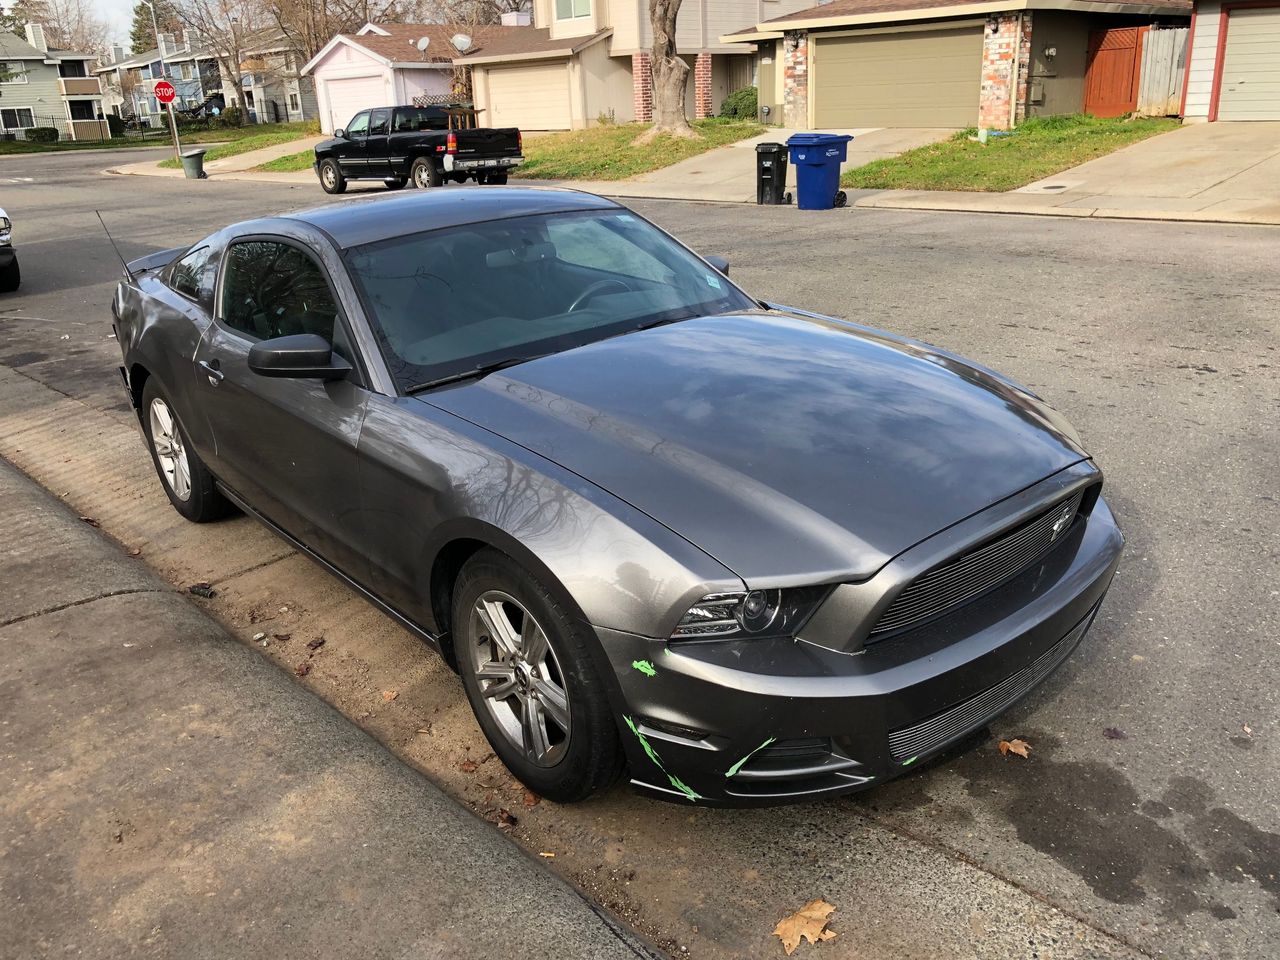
(224, 28)
(73, 25)
(670, 74)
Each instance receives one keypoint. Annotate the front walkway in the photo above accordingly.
(1223, 172)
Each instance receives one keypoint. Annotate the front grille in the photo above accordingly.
(927, 735)
(804, 766)
(974, 573)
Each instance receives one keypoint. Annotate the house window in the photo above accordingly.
(294, 106)
(16, 119)
(157, 70)
(13, 72)
(81, 109)
(72, 68)
(572, 9)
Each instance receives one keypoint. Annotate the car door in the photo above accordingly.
(353, 152)
(376, 144)
(287, 446)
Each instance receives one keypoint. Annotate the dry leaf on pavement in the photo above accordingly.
(1020, 747)
(531, 799)
(390, 695)
(467, 766)
(807, 923)
(302, 669)
(315, 644)
(91, 522)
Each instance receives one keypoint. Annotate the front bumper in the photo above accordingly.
(7, 255)
(739, 723)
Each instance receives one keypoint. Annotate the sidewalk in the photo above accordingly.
(169, 793)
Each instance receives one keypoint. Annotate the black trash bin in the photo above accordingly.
(771, 173)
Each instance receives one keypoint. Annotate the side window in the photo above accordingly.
(195, 274)
(272, 289)
(359, 125)
(379, 123)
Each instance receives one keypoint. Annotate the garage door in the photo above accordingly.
(1251, 66)
(533, 98)
(929, 78)
(349, 96)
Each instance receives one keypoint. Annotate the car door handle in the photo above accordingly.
(212, 372)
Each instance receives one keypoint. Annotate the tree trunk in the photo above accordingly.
(670, 74)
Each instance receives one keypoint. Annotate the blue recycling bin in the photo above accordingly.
(817, 158)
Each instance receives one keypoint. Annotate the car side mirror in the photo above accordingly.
(340, 133)
(720, 263)
(300, 355)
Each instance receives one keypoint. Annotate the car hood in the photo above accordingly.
(792, 449)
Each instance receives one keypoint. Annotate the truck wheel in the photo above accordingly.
(331, 178)
(396, 183)
(10, 277)
(425, 174)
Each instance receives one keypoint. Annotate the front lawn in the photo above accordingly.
(607, 152)
(1038, 148)
(290, 163)
(245, 139)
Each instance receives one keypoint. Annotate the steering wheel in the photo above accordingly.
(595, 290)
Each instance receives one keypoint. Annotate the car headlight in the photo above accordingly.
(754, 614)
(6, 229)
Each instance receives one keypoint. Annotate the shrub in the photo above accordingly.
(115, 125)
(231, 117)
(741, 104)
(42, 134)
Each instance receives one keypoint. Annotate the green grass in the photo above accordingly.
(607, 151)
(1038, 148)
(116, 143)
(247, 138)
(290, 163)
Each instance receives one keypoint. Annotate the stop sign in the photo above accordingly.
(165, 92)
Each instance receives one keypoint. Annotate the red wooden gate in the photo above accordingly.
(1111, 76)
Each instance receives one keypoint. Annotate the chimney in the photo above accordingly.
(117, 54)
(517, 18)
(167, 46)
(35, 37)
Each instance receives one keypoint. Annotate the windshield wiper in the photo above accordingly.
(671, 316)
(476, 372)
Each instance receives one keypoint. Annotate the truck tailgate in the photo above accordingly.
(485, 143)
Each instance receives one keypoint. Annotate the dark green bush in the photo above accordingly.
(231, 117)
(115, 125)
(741, 104)
(42, 134)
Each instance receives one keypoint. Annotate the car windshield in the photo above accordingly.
(450, 302)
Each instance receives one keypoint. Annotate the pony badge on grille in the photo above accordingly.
(1063, 521)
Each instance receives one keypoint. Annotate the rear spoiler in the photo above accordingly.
(153, 261)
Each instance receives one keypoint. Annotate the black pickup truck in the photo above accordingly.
(422, 146)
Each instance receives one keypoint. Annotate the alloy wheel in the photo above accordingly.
(171, 453)
(520, 677)
(329, 178)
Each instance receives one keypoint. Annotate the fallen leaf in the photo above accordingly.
(282, 637)
(807, 923)
(506, 819)
(302, 669)
(531, 799)
(1020, 747)
(1115, 733)
(91, 522)
(135, 552)
(389, 695)
(202, 589)
(315, 644)
(467, 766)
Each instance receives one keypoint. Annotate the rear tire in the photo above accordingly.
(425, 174)
(186, 480)
(527, 668)
(331, 178)
(10, 277)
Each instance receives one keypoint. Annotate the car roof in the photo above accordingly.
(359, 221)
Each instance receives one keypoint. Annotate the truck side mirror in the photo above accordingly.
(340, 133)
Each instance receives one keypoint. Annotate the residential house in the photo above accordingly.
(1233, 72)
(583, 61)
(47, 87)
(274, 89)
(943, 63)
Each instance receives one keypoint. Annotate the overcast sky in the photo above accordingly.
(119, 15)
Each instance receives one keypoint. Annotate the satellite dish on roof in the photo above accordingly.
(461, 42)
(422, 44)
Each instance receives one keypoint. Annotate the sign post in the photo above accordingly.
(165, 93)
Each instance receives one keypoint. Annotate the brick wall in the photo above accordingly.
(795, 80)
(642, 86)
(1001, 52)
(702, 86)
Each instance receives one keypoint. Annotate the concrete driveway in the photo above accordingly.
(729, 173)
(1202, 168)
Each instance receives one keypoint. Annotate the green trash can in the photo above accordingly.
(193, 165)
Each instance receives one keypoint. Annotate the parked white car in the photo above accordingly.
(10, 275)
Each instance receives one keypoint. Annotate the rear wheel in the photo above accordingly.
(331, 178)
(527, 670)
(425, 174)
(186, 480)
(10, 277)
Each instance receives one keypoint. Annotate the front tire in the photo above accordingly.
(527, 669)
(186, 480)
(425, 174)
(331, 178)
(10, 277)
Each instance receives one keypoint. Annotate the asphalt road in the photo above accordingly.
(1160, 341)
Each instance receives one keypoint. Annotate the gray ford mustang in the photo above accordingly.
(746, 553)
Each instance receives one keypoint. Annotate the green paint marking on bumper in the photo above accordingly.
(652, 754)
(738, 766)
(907, 763)
(645, 667)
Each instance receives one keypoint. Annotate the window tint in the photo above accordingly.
(359, 125)
(195, 274)
(272, 289)
(415, 119)
(379, 123)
